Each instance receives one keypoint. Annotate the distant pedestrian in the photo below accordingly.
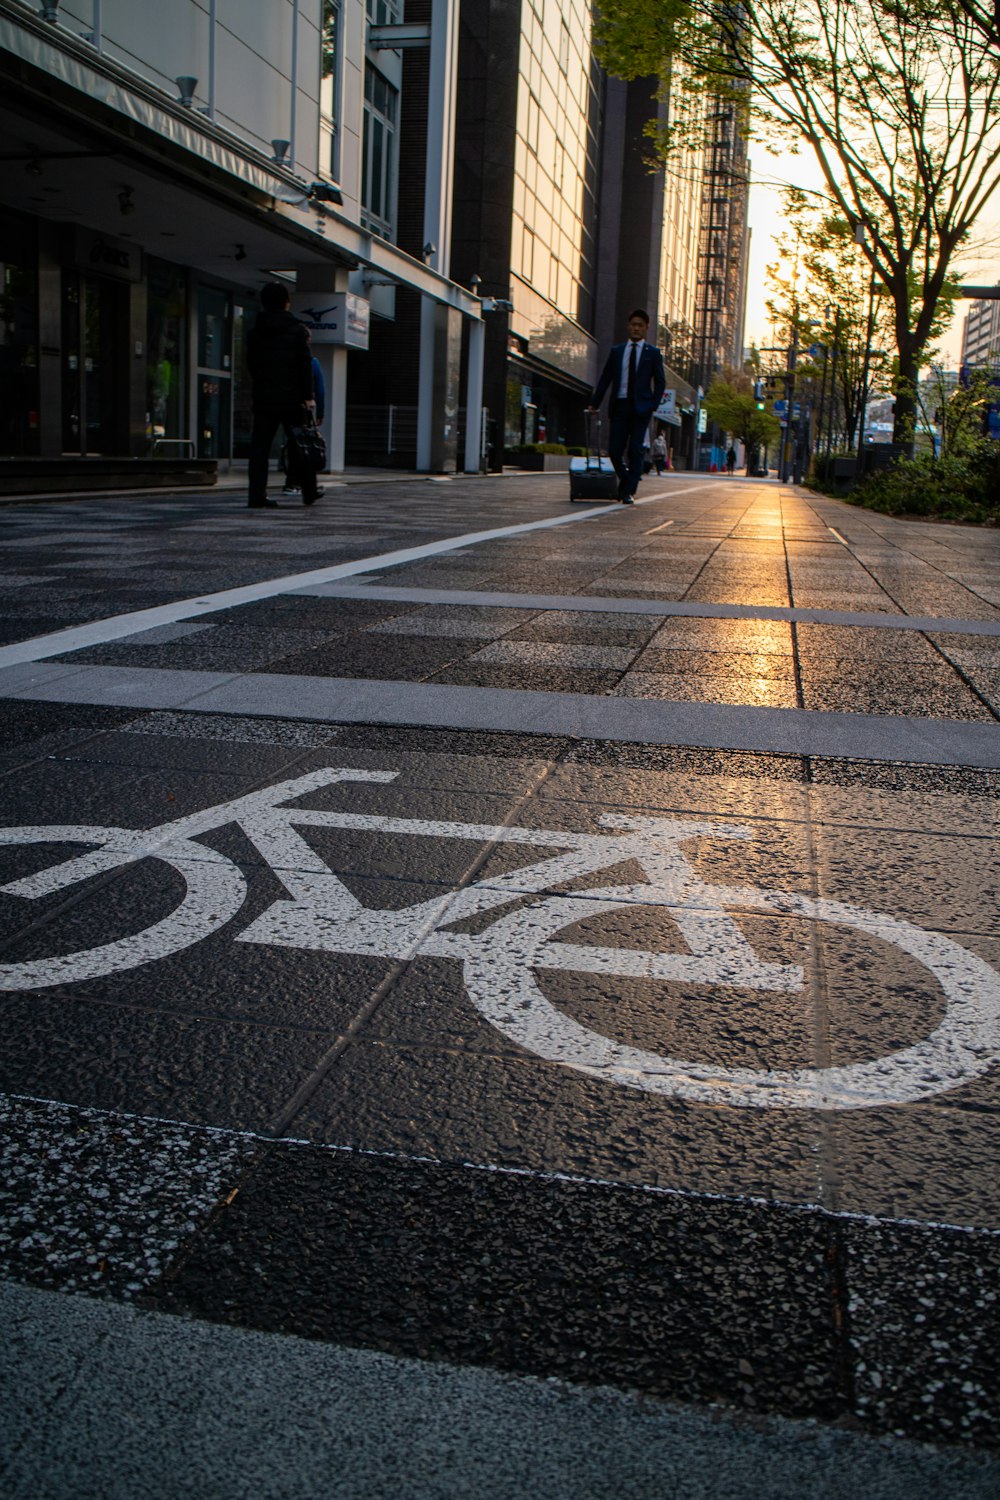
(634, 374)
(293, 474)
(281, 374)
(731, 460)
(660, 452)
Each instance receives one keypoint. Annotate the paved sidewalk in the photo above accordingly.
(112, 1402)
(517, 943)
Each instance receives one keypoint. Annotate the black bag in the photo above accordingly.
(306, 449)
(592, 477)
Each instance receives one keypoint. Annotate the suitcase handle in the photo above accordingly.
(593, 426)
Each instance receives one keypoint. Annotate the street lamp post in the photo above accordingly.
(865, 369)
(789, 445)
(833, 382)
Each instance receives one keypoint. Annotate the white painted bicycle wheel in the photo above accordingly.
(500, 966)
(215, 891)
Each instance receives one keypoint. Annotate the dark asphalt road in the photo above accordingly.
(556, 940)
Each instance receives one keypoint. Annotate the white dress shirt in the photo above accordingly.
(640, 344)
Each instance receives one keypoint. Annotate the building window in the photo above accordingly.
(531, 134)
(528, 255)
(378, 154)
(382, 12)
(329, 91)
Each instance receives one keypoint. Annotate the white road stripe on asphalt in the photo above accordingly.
(351, 700)
(118, 627)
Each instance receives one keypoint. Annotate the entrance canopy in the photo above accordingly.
(87, 141)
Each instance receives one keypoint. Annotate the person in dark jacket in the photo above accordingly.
(635, 376)
(280, 365)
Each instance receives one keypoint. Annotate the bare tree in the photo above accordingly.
(899, 103)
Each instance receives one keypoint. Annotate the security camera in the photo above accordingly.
(325, 192)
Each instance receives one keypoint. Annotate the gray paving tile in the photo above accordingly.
(926, 691)
(556, 654)
(460, 621)
(768, 692)
(232, 728)
(727, 636)
(855, 643)
(748, 665)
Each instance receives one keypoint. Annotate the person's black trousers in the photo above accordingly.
(626, 435)
(262, 435)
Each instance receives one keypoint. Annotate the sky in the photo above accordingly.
(768, 174)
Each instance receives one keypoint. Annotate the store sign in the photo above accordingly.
(334, 317)
(667, 409)
(107, 256)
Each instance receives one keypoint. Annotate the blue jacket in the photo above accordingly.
(319, 389)
(650, 378)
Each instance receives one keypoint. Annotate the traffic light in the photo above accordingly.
(758, 394)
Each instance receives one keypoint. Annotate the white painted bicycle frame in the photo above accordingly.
(501, 963)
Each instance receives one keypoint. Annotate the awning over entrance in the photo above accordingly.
(87, 141)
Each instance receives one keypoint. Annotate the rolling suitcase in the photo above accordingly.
(593, 477)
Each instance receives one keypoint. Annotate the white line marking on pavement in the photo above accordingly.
(119, 627)
(500, 963)
(837, 534)
(354, 700)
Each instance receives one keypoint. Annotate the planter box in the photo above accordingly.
(549, 463)
(28, 476)
(843, 468)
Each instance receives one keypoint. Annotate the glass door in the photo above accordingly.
(94, 420)
(214, 375)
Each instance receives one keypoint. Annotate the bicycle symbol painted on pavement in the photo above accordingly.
(502, 961)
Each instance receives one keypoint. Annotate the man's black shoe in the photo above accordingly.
(311, 499)
(262, 505)
(628, 500)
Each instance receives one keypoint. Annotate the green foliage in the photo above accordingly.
(546, 448)
(730, 402)
(958, 410)
(898, 103)
(962, 487)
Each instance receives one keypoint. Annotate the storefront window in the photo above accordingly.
(213, 329)
(18, 338)
(242, 406)
(94, 417)
(165, 340)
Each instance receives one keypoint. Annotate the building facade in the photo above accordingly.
(527, 211)
(160, 164)
(981, 335)
(457, 196)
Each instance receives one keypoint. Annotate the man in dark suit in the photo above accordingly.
(281, 375)
(635, 376)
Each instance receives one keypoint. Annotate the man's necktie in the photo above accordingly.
(630, 388)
